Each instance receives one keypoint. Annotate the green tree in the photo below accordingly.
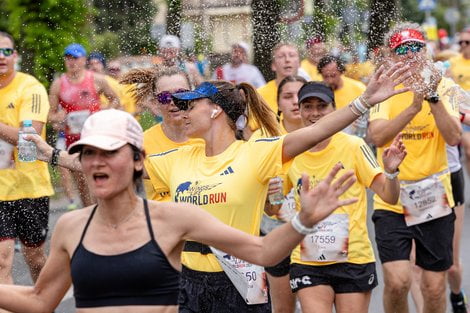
(42, 29)
(130, 20)
(173, 19)
(382, 14)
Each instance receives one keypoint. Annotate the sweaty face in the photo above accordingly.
(73, 64)
(95, 65)
(313, 109)
(331, 75)
(169, 112)
(286, 61)
(7, 63)
(288, 101)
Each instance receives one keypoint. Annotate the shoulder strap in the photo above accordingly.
(147, 217)
(88, 223)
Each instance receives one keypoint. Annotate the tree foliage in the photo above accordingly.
(382, 14)
(42, 29)
(130, 20)
(173, 20)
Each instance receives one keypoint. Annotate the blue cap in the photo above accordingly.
(204, 90)
(76, 50)
(97, 56)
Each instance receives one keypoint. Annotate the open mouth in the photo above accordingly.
(100, 177)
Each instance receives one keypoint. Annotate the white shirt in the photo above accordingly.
(246, 73)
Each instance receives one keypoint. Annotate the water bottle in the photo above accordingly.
(360, 125)
(278, 197)
(27, 151)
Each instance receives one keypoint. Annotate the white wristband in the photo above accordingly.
(391, 176)
(299, 227)
(359, 106)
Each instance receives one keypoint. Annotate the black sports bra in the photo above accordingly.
(139, 277)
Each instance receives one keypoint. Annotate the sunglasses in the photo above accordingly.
(7, 51)
(164, 97)
(462, 42)
(403, 49)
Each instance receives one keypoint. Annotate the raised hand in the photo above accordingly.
(323, 199)
(382, 84)
(394, 155)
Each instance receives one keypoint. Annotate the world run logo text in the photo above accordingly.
(198, 194)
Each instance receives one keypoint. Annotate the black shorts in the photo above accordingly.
(342, 277)
(280, 269)
(458, 187)
(26, 219)
(213, 293)
(433, 240)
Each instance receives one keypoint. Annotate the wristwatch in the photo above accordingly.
(391, 176)
(432, 98)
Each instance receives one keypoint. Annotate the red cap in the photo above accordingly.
(314, 40)
(406, 35)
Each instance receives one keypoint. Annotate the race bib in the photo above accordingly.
(75, 121)
(6, 155)
(424, 200)
(329, 241)
(249, 279)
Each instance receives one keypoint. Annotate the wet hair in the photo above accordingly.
(7, 35)
(243, 99)
(288, 79)
(281, 44)
(400, 26)
(327, 59)
(146, 79)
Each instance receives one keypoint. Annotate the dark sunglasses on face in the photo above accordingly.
(164, 97)
(403, 49)
(7, 51)
(464, 42)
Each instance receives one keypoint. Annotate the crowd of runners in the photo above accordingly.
(237, 194)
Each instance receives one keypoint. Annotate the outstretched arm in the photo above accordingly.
(317, 204)
(381, 87)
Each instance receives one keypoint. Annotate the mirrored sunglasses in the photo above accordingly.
(464, 42)
(403, 49)
(7, 51)
(164, 97)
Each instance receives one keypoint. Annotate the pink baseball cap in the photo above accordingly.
(109, 130)
(404, 36)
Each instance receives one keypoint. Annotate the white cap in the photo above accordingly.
(242, 45)
(170, 41)
(109, 130)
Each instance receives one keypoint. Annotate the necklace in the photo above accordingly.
(121, 221)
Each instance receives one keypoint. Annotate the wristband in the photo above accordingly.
(392, 176)
(462, 117)
(355, 112)
(299, 227)
(364, 102)
(55, 157)
(359, 106)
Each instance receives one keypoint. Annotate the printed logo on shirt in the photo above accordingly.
(199, 194)
(10, 106)
(229, 170)
(313, 182)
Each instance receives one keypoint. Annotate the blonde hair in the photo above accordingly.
(146, 79)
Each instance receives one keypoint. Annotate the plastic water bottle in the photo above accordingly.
(278, 197)
(360, 125)
(27, 151)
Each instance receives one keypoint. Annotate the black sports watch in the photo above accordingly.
(433, 98)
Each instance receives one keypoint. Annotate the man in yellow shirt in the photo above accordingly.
(316, 49)
(25, 187)
(428, 118)
(460, 70)
(285, 63)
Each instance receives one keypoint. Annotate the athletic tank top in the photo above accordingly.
(139, 277)
(80, 98)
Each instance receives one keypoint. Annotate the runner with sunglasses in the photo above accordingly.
(229, 178)
(159, 84)
(428, 118)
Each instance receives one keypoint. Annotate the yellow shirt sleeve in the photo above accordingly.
(159, 170)
(268, 164)
(34, 103)
(367, 167)
(380, 111)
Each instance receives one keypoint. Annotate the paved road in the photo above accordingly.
(21, 274)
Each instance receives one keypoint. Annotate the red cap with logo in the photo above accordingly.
(404, 36)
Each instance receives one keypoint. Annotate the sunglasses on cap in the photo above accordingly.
(7, 51)
(403, 49)
(164, 97)
(464, 42)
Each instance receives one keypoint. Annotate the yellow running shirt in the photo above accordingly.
(269, 94)
(155, 141)
(123, 92)
(460, 68)
(25, 98)
(351, 90)
(355, 155)
(232, 186)
(311, 70)
(423, 141)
